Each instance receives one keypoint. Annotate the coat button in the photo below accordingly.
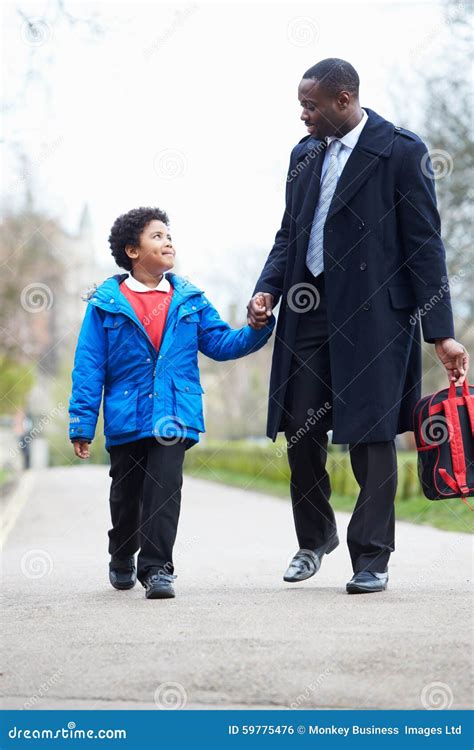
(148, 359)
(150, 395)
(116, 324)
(366, 306)
(111, 300)
(363, 266)
(187, 388)
(125, 393)
(193, 307)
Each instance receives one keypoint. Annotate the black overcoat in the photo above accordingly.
(385, 272)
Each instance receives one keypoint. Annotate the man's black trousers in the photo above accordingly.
(308, 417)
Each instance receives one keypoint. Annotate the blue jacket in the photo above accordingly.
(148, 392)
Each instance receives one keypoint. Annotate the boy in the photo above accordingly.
(139, 344)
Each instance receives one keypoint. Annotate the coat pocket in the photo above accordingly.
(188, 402)
(402, 297)
(120, 410)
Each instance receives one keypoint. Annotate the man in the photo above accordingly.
(358, 252)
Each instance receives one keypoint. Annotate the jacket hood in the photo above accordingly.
(107, 294)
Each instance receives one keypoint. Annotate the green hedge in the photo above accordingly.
(271, 464)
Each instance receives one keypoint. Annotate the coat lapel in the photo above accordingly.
(375, 142)
(309, 185)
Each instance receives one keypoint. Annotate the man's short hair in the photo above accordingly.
(335, 75)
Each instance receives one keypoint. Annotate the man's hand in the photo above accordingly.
(81, 448)
(455, 359)
(259, 310)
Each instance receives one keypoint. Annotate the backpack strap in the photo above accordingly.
(467, 398)
(456, 443)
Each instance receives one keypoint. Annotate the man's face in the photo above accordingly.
(322, 113)
(155, 253)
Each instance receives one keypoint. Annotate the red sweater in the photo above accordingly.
(151, 309)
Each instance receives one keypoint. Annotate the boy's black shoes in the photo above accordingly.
(367, 582)
(159, 586)
(122, 573)
(307, 562)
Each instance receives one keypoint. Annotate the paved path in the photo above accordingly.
(236, 635)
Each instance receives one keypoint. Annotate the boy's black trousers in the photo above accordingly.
(370, 535)
(145, 500)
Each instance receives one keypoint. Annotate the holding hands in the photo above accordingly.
(259, 309)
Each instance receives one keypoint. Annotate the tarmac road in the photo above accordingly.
(236, 636)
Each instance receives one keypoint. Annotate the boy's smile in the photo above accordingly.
(154, 255)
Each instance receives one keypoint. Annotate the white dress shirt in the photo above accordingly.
(348, 142)
(137, 286)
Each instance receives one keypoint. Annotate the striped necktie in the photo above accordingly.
(314, 256)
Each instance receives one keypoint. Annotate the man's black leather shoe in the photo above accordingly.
(307, 562)
(367, 582)
(122, 573)
(159, 586)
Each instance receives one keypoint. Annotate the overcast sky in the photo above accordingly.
(192, 107)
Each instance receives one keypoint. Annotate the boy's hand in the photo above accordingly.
(259, 309)
(81, 448)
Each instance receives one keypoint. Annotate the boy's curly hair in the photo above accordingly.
(127, 230)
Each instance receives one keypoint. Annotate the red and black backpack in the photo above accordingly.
(444, 432)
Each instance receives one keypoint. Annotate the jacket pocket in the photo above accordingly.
(402, 297)
(120, 410)
(188, 402)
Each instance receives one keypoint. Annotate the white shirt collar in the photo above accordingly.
(137, 286)
(350, 139)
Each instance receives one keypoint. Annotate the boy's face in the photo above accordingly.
(155, 253)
